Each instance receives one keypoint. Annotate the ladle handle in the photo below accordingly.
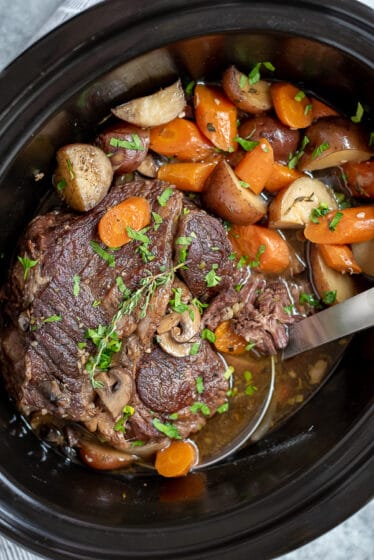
(353, 315)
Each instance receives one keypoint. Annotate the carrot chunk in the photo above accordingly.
(340, 258)
(263, 248)
(186, 176)
(351, 225)
(256, 166)
(176, 460)
(180, 138)
(133, 212)
(216, 117)
(281, 177)
(291, 105)
(227, 340)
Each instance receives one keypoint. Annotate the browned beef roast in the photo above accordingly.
(259, 312)
(206, 249)
(44, 369)
(42, 365)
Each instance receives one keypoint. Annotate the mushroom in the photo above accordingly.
(176, 331)
(116, 391)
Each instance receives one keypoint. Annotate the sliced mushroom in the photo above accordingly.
(172, 347)
(176, 331)
(190, 324)
(117, 389)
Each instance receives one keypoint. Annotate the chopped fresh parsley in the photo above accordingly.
(143, 249)
(164, 196)
(189, 87)
(195, 348)
(207, 334)
(244, 184)
(174, 416)
(254, 75)
(228, 373)
(289, 308)
(342, 201)
(243, 82)
(329, 297)
(76, 285)
(27, 264)
(176, 303)
(223, 408)
(200, 305)
(250, 346)
(293, 159)
(199, 384)
(127, 412)
(335, 220)
(186, 241)
(250, 390)
(82, 345)
(52, 319)
(310, 299)
(359, 113)
(232, 256)
(316, 213)
(134, 144)
(61, 185)
(122, 287)
(157, 220)
(108, 257)
(168, 429)
(256, 262)
(227, 225)
(96, 303)
(200, 407)
(320, 149)
(308, 108)
(247, 145)
(70, 169)
(137, 443)
(212, 279)
(299, 96)
(242, 261)
(112, 345)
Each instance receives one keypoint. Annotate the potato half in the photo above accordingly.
(292, 207)
(83, 175)
(153, 110)
(326, 279)
(254, 98)
(364, 255)
(224, 195)
(334, 141)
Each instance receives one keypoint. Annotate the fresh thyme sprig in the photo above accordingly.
(108, 334)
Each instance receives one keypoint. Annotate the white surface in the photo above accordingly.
(353, 539)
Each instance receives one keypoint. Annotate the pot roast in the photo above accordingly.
(160, 358)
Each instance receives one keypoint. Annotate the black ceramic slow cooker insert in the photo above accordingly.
(301, 479)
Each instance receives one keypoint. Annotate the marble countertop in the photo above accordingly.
(352, 540)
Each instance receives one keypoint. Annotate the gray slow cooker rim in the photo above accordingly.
(21, 73)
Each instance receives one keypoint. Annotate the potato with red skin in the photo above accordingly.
(224, 195)
(360, 178)
(334, 141)
(283, 140)
(254, 98)
(326, 279)
(103, 458)
(124, 160)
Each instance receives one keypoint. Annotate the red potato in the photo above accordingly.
(224, 195)
(282, 139)
(334, 141)
(83, 175)
(128, 145)
(292, 207)
(155, 109)
(254, 98)
(326, 279)
(103, 458)
(360, 178)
